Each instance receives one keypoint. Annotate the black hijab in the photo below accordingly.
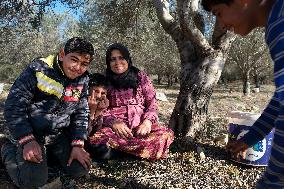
(126, 80)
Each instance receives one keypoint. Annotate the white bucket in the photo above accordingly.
(239, 125)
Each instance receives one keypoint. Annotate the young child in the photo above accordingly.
(47, 113)
(241, 16)
(98, 103)
(97, 100)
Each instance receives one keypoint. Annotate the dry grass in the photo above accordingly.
(184, 168)
(223, 100)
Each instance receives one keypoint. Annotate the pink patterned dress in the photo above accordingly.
(132, 110)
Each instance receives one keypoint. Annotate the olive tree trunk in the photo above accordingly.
(246, 85)
(201, 63)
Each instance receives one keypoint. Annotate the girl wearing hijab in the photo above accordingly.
(130, 123)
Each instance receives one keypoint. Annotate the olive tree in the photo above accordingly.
(202, 61)
(250, 55)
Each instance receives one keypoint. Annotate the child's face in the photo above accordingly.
(98, 92)
(237, 17)
(74, 64)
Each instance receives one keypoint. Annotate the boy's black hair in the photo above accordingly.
(79, 45)
(97, 80)
(207, 4)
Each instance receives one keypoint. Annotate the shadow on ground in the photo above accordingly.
(130, 183)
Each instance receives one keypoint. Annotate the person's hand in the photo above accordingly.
(121, 130)
(144, 128)
(81, 155)
(93, 104)
(103, 103)
(32, 152)
(237, 149)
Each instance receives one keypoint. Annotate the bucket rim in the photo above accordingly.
(243, 115)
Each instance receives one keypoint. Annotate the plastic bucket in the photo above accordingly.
(239, 125)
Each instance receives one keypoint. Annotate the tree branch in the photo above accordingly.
(188, 17)
(168, 22)
(43, 3)
(222, 39)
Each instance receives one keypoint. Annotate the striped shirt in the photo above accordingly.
(273, 115)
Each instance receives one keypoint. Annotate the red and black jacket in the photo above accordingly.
(43, 101)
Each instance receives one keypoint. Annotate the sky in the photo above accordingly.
(60, 8)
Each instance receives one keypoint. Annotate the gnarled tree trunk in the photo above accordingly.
(201, 63)
(196, 87)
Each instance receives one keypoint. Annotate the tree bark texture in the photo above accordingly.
(256, 80)
(197, 80)
(246, 86)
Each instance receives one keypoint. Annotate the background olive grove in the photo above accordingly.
(21, 40)
(30, 29)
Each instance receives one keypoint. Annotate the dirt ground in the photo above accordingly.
(184, 168)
